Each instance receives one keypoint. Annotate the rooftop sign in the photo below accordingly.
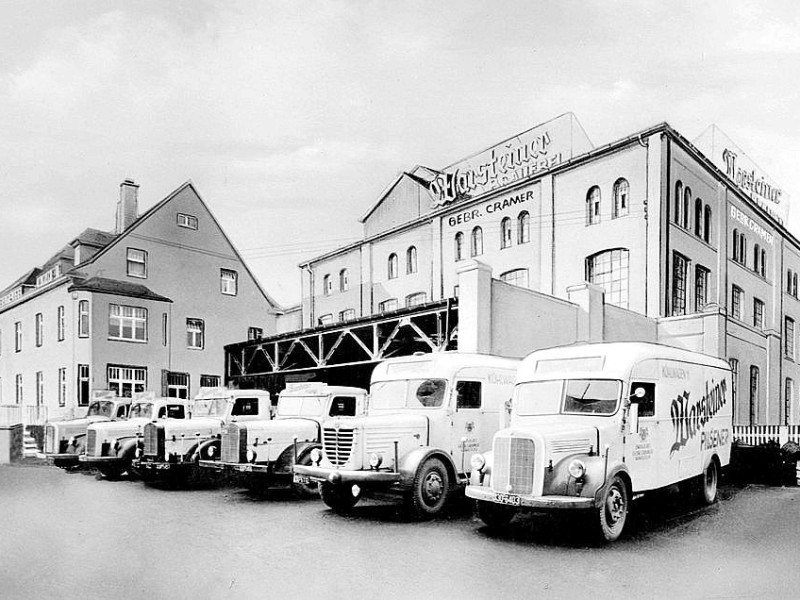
(533, 151)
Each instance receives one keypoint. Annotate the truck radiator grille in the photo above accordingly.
(512, 471)
(337, 444)
(91, 443)
(234, 443)
(153, 441)
(50, 439)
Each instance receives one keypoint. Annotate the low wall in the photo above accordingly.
(11, 443)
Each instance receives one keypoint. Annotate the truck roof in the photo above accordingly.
(437, 364)
(321, 389)
(223, 392)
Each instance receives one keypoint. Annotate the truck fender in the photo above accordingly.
(411, 461)
(127, 448)
(620, 469)
(79, 447)
(286, 459)
(200, 451)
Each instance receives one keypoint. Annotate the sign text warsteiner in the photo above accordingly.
(689, 417)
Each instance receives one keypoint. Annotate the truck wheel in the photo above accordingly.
(112, 473)
(337, 497)
(305, 490)
(613, 510)
(708, 484)
(430, 490)
(496, 516)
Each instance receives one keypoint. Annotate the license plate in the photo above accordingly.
(301, 479)
(245, 467)
(161, 466)
(509, 499)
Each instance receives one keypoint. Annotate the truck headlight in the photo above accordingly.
(138, 452)
(71, 441)
(252, 455)
(577, 468)
(211, 451)
(375, 460)
(316, 456)
(477, 461)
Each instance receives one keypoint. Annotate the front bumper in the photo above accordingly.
(337, 476)
(99, 460)
(540, 502)
(227, 467)
(155, 467)
(66, 459)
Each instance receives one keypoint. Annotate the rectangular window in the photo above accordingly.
(210, 381)
(734, 378)
(177, 385)
(62, 386)
(137, 263)
(228, 282)
(60, 323)
(254, 333)
(126, 381)
(187, 221)
(347, 315)
(127, 323)
(701, 277)
(39, 388)
(83, 318)
(388, 305)
(758, 313)
(195, 334)
(19, 388)
(679, 271)
(788, 395)
(416, 299)
(736, 302)
(39, 319)
(18, 336)
(83, 385)
(468, 394)
(788, 338)
(325, 319)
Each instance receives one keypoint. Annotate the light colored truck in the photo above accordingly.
(262, 452)
(595, 425)
(426, 415)
(65, 441)
(172, 448)
(111, 445)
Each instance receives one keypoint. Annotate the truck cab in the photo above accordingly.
(173, 447)
(593, 425)
(65, 441)
(111, 445)
(263, 452)
(426, 415)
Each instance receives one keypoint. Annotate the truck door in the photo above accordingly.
(642, 443)
(467, 427)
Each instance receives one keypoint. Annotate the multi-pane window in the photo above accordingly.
(680, 266)
(523, 227)
(83, 385)
(62, 386)
(228, 282)
(517, 277)
(327, 285)
(18, 388)
(187, 221)
(754, 385)
(18, 336)
(60, 323)
(388, 305)
(255, 333)
(210, 380)
(83, 318)
(505, 233)
(791, 283)
(458, 246)
(739, 247)
(344, 280)
(620, 198)
(609, 269)
(125, 381)
(39, 322)
(476, 242)
(593, 205)
(39, 388)
(177, 385)
(347, 315)
(788, 337)
(391, 266)
(416, 299)
(736, 302)
(788, 401)
(137, 263)
(701, 280)
(128, 323)
(758, 313)
(195, 334)
(411, 260)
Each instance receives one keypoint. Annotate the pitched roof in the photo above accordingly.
(103, 285)
(94, 237)
(28, 277)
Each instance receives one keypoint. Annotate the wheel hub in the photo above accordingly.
(615, 505)
(433, 487)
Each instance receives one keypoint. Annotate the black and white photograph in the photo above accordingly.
(356, 299)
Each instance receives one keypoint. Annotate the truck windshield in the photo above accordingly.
(141, 410)
(567, 396)
(210, 407)
(104, 408)
(407, 393)
(300, 406)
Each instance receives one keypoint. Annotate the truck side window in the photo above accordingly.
(122, 410)
(174, 411)
(162, 412)
(647, 403)
(430, 392)
(468, 394)
(244, 407)
(343, 406)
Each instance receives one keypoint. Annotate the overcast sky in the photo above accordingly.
(291, 118)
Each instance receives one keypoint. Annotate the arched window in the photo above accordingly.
(794, 285)
(517, 277)
(707, 224)
(763, 263)
(344, 280)
(736, 245)
(327, 285)
(593, 205)
(411, 260)
(458, 246)
(620, 198)
(757, 258)
(609, 269)
(391, 266)
(698, 217)
(505, 233)
(687, 202)
(476, 242)
(677, 203)
(754, 395)
(523, 227)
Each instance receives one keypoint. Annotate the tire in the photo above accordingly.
(495, 516)
(709, 481)
(612, 513)
(430, 490)
(338, 498)
(306, 490)
(112, 473)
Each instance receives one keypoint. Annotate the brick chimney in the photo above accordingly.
(128, 206)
